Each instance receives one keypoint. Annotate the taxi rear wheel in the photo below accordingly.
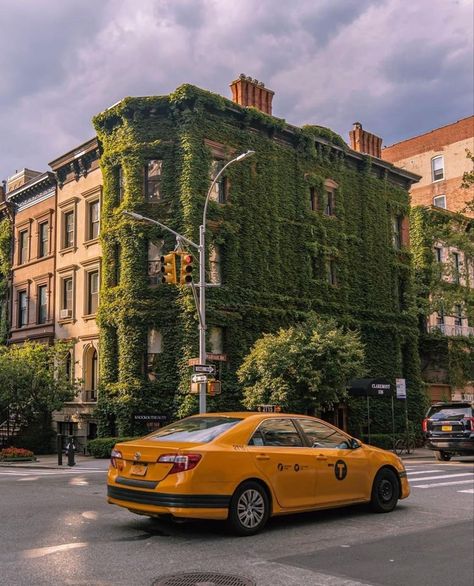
(385, 491)
(249, 509)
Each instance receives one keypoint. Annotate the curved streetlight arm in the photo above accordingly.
(239, 158)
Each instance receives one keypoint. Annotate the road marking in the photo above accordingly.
(42, 551)
(442, 484)
(469, 490)
(424, 472)
(36, 472)
(438, 477)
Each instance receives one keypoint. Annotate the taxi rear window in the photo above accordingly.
(194, 429)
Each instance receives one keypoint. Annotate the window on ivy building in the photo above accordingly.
(397, 232)
(154, 347)
(313, 199)
(120, 182)
(330, 187)
(153, 169)
(331, 272)
(438, 251)
(215, 272)
(155, 250)
(91, 373)
(456, 266)
(458, 319)
(216, 340)
(93, 220)
(219, 191)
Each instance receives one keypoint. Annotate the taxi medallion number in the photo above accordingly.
(138, 469)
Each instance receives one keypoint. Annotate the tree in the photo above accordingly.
(34, 382)
(303, 368)
(468, 182)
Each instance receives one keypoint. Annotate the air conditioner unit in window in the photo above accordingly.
(65, 313)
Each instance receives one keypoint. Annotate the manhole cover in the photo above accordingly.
(203, 579)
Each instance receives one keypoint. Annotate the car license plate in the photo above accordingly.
(138, 469)
(446, 428)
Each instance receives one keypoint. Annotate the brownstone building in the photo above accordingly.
(31, 197)
(78, 254)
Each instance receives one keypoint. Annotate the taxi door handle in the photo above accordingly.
(321, 457)
(263, 457)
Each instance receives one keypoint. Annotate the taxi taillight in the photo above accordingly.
(116, 459)
(181, 463)
(425, 425)
(470, 422)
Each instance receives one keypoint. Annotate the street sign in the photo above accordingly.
(210, 357)
(199, 378)
(204, 368)
(401, 388)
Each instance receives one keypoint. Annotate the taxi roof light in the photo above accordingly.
(181, 463)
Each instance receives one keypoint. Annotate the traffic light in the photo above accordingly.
(186, 268)
(168, 268)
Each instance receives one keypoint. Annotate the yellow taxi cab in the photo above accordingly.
(246, 467)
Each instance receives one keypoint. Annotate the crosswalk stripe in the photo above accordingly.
(423, 472)
(439, 476)
(469, 490)
(442, 484)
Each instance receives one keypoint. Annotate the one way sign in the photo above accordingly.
(204, 368)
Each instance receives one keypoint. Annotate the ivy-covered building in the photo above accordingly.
(305, 225)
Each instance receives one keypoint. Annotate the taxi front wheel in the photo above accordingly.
(249, 509)
(385, 491)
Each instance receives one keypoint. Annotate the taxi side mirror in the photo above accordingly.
(354, 444)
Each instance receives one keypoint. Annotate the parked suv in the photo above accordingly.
(449, 429)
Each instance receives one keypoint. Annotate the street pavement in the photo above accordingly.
(57, 528)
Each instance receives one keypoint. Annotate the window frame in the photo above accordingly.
(22, 293)
(335, 430)
(433, 170)
(331, 272)
(23, 246)
(89, 295)
(43, 243)
(67, 242)
(155, 182)
(90, 222)
(42, 313)
(443, 207)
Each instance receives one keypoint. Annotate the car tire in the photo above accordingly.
(385, 491)
(249, 509)
(442, 456)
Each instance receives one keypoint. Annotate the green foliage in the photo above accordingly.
(34, 383)
(102, 446)
(5, 266)
(275, 250)
(303, 368)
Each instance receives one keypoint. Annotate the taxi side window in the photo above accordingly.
(277, 432)
(323, 436)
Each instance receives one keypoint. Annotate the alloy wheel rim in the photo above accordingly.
(250, 508)
(386, 490)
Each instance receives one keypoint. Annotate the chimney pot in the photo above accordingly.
(247, 91)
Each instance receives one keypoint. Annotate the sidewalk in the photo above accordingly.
(51, 461)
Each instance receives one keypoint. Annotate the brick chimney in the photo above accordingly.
(20, 178)
(365, 142)
(251, 92)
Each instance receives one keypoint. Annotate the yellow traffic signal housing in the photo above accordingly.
(186, 276)
(168, 268)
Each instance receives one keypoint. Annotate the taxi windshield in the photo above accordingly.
(195, 429)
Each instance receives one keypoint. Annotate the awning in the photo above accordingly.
(370, 387)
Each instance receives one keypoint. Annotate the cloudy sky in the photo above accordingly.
(401, 67)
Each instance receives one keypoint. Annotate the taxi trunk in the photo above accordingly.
(153, 461)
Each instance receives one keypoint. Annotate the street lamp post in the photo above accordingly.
(201, 248)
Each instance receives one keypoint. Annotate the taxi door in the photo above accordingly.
(285, 462)
(341, 472)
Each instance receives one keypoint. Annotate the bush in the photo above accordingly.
(15, 453)
(102, 446)
(380, 440)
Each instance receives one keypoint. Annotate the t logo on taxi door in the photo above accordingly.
(340, 469)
